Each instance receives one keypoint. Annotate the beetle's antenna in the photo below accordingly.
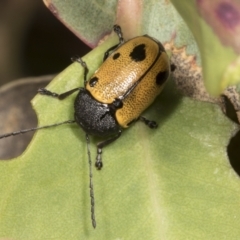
(91, 184)
(34, 129)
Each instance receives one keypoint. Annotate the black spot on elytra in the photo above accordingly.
(116, 56)
(93, 81)
(138, 53)
(162, 77)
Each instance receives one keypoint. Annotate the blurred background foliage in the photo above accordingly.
(33, 42)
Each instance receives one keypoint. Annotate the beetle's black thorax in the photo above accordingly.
(94, 117)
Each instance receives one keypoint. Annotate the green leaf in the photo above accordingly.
(214, 25)
(87, 19)
(171, 183)
(174, 182)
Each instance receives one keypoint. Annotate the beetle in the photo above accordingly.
(132, 75)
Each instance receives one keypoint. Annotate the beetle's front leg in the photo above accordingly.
(84, 65)
(100, 145)
(62, 96)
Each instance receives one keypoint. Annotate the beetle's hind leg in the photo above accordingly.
(100, 145)
(149, 123)
(62, 96)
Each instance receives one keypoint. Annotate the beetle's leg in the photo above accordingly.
(100, 145)
(118, 31)
(149, 123)
(62, 96)
(84, 65)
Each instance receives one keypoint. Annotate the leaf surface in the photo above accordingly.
(169, 183)
(174, 182)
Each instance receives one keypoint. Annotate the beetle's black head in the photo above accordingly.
(94, 118)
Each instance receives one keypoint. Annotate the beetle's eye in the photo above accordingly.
(93, 81)
(162, 77)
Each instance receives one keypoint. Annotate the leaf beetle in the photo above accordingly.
(132, 75)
